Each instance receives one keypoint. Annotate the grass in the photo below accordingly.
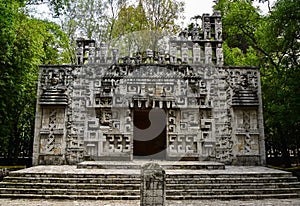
(13, 167)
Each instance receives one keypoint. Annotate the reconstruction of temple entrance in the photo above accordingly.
(181, 103)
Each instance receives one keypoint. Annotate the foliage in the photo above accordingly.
(109, 20)
(235, 56)
(26, 43)
(57, 6)
(144, 25)
(162, 14)
(240, 22)
(130, 19)
(273, 43)
(91, 19)
(281, 40)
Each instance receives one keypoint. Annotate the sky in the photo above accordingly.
(199, 7)
(192, 8)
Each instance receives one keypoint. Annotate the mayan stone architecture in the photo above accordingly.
(177, 103)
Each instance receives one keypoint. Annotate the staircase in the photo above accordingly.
(121, 181)
(231, 184)
(68, 182)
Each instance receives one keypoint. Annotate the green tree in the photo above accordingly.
(280, 39)
(143, 25)
(57, 6)
(240, 22)
(235, 56)
(272, 42)
(91, 19)
(84, 17)
(129, 30)
(26, 43)
(162, 14)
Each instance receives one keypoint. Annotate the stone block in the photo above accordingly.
(153, 185)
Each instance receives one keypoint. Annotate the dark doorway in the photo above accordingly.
(149, 140)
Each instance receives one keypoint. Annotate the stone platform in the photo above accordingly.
(182, 183)
(136, 164)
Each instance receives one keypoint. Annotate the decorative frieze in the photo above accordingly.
(52, 131)
(101, 108)
(116, 143)
(183, 145)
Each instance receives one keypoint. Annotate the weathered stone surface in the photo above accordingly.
(268, 202)
(153, 185)
(101, 108)
(46, 202)
(115, 183)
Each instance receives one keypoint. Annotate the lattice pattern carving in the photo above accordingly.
(172, 121)
(183, 144)
(247, 144)
(116, 143)
(105, 116)
(190, 118)
(52, 131)
(246, 120)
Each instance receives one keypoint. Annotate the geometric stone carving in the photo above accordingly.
(247, 131)
(53, 84)
(52, 131)
(245, 88)
(183, 145)
(105, 116)
(115, 143)
(101, 106)
(247, 144)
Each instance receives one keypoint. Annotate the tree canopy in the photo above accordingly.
(271, 42)
(26, 43)
(143, 26)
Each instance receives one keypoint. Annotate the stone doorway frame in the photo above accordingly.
(163, 137)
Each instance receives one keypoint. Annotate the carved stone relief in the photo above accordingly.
(116, 143)
(247, 131)
(52, 131)
(212, 112)
(184, 145)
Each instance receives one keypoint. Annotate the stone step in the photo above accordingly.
(233, 186)
(134, 195)
(171, 194)
(75, 175)
(70, 192)
(120, 180)
(235, 197)
(71, 197)
(136, 180)
(188, 197)
(136, 164)
(206, 180)
(258, 191)
(225, 176)
(102, 186)
(130, 186)
(67, 182)
(136, 174)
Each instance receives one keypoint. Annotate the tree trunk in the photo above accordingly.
(286, 160)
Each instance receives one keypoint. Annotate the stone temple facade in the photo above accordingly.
(179, 104)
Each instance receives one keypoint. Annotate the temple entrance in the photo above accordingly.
(149, 134)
